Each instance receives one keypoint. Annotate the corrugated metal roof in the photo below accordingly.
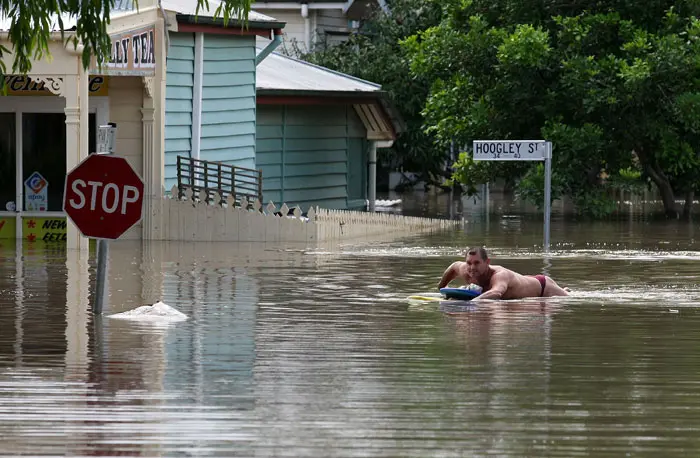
(189, 7)
(282, 73)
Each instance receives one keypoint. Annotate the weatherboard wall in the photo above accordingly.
(178, 103)
(228, 101)
(312, 155)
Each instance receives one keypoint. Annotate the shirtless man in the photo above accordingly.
(498, 282)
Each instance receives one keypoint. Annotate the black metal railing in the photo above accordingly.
(214, 181)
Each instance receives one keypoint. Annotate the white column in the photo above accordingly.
(84, 94)
(75, 92)
(372, 178)
(74, 141)
(147, 120)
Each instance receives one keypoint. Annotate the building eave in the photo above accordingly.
(190, 23)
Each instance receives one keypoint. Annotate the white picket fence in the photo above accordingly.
(190, 220)
(345, 224)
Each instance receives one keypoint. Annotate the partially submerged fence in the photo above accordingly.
(188, 218)
(215, 181)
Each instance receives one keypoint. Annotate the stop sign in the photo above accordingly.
(103, 195)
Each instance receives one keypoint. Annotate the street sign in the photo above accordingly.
(521, 150)
(103, 196)
(509, 150)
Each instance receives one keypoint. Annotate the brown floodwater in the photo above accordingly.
(315, 351)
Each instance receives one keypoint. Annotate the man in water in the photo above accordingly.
(498, 282)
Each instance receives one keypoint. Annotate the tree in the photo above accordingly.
(375, 55)
(31, 27)
(613, 85)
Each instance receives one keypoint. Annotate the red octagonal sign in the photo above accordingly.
(103, 196)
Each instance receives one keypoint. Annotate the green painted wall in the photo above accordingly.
(228, 100)
(178, 103)
(312, 155)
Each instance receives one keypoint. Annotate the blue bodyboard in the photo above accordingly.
(462, 294)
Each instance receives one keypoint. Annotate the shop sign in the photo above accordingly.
(133, 53)
(35, 229)
(7, 228)
(23, 86)
(36, 193)
(44, 229)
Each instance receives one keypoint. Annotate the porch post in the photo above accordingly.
(149, 178)
(372, 178)
(76, 140)
(77, 283)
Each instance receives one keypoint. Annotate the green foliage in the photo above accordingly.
(375, 55)
(594, 203)
(469, 173)
(628, 180)
(31, 26)
(612, 84)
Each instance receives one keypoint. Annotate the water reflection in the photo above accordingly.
(314, 351)
(495, 200)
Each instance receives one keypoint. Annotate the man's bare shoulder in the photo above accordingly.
(501, 273)
(499, 269)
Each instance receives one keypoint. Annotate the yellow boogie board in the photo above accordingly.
(446, 295)
(425, 299)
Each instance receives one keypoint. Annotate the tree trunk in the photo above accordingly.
(661, 181)
(688, 207)
(667, 196)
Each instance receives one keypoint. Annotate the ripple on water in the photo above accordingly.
(319, 354)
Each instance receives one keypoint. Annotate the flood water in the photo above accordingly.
(315, 352)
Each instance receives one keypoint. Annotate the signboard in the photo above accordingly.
(44, 229)
(133, 53)
(34, 229)
(103, 196)
(7, 227)
(24, 86)
(509, 150)
(521, 150)
(36, 193)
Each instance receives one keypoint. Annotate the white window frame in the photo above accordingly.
(99, 105)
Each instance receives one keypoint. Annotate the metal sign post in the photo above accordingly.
(106, 136)
(547, 193)
(522, 150)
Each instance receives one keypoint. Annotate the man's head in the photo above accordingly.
(477, 262)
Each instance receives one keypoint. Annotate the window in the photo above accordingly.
(7, 162)
(44, 159)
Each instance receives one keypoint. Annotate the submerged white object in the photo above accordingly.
(159, 311)
(474, 287)
(387, 203)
